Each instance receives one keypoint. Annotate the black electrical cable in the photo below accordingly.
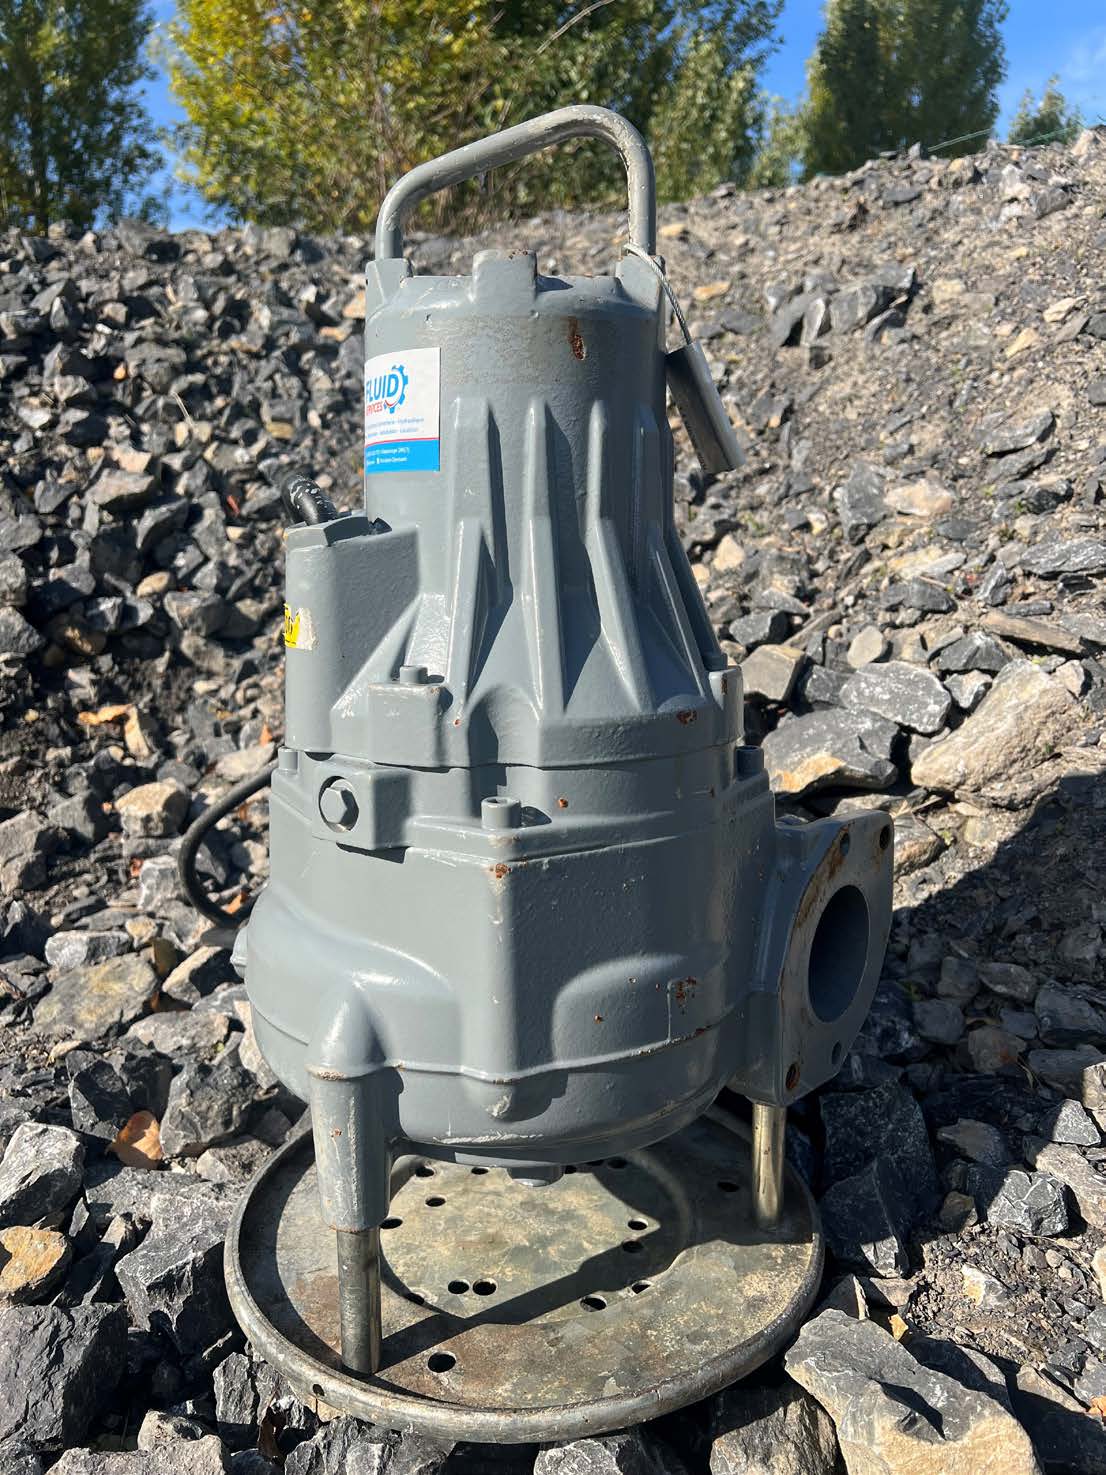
(306, 502)
(193, 839)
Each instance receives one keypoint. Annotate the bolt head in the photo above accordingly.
(338, 805)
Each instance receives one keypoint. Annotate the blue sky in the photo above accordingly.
(1065, 37)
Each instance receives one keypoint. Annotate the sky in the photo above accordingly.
(1043, 37)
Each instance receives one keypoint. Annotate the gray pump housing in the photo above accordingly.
(529, 901)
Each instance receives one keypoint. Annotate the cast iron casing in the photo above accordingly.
(529, 902)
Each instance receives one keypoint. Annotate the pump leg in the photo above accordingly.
(769, 1126)
(353, 1162)
(359, 1298)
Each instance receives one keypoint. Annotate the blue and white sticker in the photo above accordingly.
(402, 406)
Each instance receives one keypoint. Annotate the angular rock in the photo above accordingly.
(1027, 1203)
(1064, 1438)
(1017, 723)
(1010, 980)
(1067, 1166)
(862, 1125)
(900, 692)
(979, 1142)
(1077, 556)
(65, 950)
(89, 1003)
(893, 1414)
(860, 503)
(830, 748)
(40, 1175)
(1068, 1016)
(771, 671)
(207, 1104)
(975, 651)
(866, 1219)
(32, 1262)
(770, 1431)
(631, 1452)
(57, 1370)
(92, 1278)
(199, 974)
(1019, 435)
(98, 1100)
(173, 1282)
(1069, 1123)
(153, 809)
(182, 1457)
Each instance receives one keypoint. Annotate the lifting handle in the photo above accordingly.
(516, 143)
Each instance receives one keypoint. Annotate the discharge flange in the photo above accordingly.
(530, 906)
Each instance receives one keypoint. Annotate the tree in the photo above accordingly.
(306, 113)
(75, 141)
(1050, 119)
(303, 115)
(780, 147)
(889, 73)
(844, 120)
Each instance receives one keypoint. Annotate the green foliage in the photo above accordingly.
(75, 142)
(307, 113)
(889, 73)
(780, 148)
(1051, 118)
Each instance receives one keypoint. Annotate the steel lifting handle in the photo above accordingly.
(516, 143)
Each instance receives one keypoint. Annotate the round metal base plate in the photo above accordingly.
(512, 1314)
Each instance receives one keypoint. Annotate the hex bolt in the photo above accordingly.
(338, 805)
(412, 675)
(501, 814)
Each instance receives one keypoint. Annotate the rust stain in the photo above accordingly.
(686, 716)
(682, 987)
(579, 350)
(336, 1132)
(562, 803)
(599, 1019)
(499, 871)
(818, 892)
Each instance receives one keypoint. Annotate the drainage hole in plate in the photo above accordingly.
(415, 1296)
(484, 1287)
(477, 1171)
(639, 1286)
(391, 1223)
(632, 1246)
(458, 1287)
(424, 1170)
(593, 1303)
(435, 1201)
(636, 1224)
(441, 1362)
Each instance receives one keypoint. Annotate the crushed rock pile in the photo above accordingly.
(910, 570)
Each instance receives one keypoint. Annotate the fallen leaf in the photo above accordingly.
(138, 1144)
(114, 713)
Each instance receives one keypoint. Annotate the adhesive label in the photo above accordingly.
(299, 630)
(402, 406)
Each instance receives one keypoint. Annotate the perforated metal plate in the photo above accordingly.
(512, 1314)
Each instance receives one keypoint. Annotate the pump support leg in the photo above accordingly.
(359, 1298)
(769, 1126)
